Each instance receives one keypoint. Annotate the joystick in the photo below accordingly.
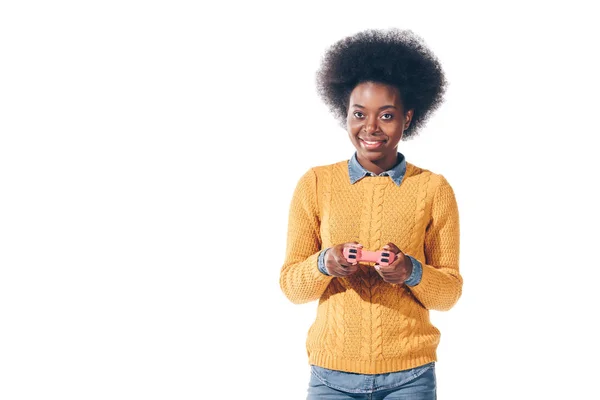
(355, 254)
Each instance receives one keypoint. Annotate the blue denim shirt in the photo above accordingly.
(356, 173)
(347, 380)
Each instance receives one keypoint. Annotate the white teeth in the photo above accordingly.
(367, 142)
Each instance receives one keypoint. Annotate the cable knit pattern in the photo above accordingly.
(363, 324)
(374, 278)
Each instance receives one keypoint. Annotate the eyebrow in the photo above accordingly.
(380, 108)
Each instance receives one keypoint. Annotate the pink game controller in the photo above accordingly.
(355, 254)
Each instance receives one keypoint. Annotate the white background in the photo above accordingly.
(149, 151)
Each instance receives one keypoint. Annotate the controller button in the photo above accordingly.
(384, 260)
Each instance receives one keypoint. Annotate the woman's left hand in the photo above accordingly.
(398, 271)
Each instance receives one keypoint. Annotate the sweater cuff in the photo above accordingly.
(322, 267)
(417, 273)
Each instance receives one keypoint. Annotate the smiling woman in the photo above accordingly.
(372, 335)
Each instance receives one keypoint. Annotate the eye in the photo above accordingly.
(387, 116)
(358, 114)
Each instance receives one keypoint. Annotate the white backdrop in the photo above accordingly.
(149, 151)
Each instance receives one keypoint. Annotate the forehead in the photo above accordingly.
(374, 93)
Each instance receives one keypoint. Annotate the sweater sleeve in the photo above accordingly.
(441, 283)
(300, 279)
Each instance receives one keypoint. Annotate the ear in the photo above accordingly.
(408, 118)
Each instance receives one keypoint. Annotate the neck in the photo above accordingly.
(379, 166)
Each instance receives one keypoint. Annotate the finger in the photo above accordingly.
(345, 271)
(385, 275)
(397, 276)
(396, 265)
(392, 247)
(351, 269)
(382, 268)
(342, 261)
(386, 269)
(400, 258)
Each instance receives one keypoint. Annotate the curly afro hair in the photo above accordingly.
(394, 57)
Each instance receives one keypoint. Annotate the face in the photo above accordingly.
(376, 121)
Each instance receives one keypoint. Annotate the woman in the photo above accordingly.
(372, 336)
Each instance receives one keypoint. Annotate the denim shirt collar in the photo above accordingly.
(357, 172)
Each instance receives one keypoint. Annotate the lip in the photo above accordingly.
(371, 144)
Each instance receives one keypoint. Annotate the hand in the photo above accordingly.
(336, 263)
(398, 271)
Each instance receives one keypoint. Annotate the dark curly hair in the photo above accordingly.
(394, 57)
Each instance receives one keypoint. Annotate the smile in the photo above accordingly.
(372, 144)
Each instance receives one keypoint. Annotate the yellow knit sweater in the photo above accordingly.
(364, 324)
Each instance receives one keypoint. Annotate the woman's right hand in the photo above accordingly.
(336, 263)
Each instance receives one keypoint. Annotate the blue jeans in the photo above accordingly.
(415, 384)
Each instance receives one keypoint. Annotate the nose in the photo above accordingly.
(370, 126)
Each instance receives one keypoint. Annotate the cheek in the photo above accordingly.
(354, 126)
(393, 129)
